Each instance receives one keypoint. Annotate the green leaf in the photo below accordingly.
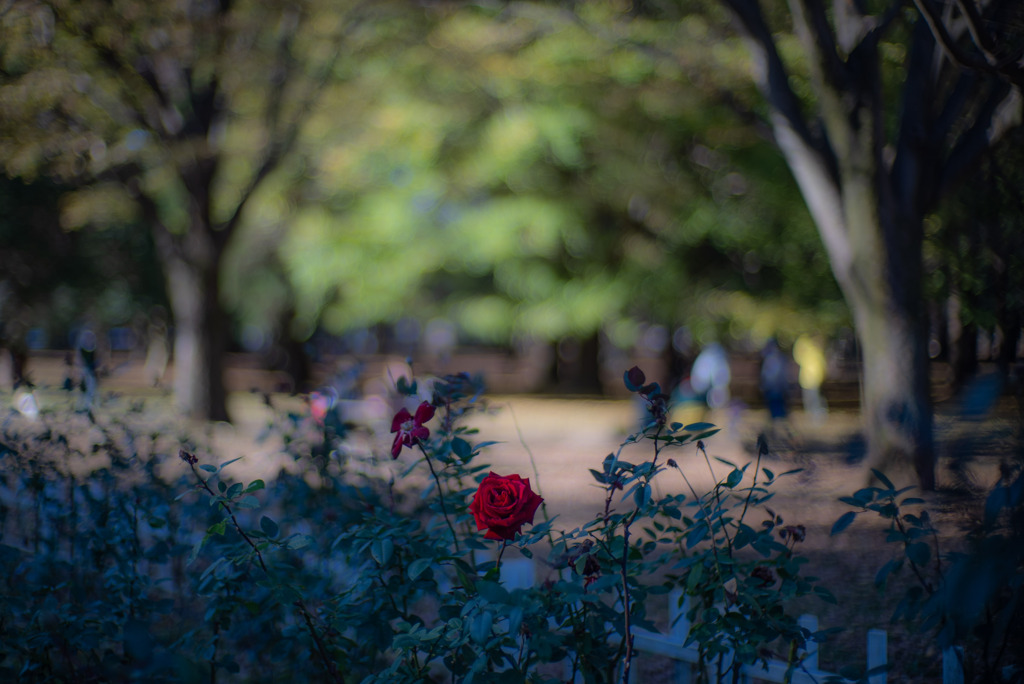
(254, 486)
(865, 495)
(300, 541)
(227, 463)
(269, 527)
(492, 592)
(480, 627)
(642, 495)
(196, 548)
(418, 566)
(882, 478)
(248, 501)
(208, 468)
(844, 521)
(462, 448)
(825, 595)
(919, 553)
(694, 577)
(515, 620)
(382, 549)
(885, 570)
(696, 534)
(218, 528)
(735, 477)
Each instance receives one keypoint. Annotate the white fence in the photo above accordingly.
(520, 574)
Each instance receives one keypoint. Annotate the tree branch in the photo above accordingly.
(1002, 111)
(283, 141)
(981, 40)
(122, 71)
(772, 77)
(809, 157)
(1007, 70)
(813, 28)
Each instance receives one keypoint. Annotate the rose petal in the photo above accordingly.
(424, 412)
(400, 417)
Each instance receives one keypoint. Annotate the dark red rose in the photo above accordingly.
(502, 505)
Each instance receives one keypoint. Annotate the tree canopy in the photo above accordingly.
(521, 175)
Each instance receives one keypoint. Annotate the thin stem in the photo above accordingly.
(321, 649)
(750, 493)
(501, 552)
(718, 495)
(440, 497)
(536, 472)
(906, 545)
(707, 520)
(626, 610)
(213, 655)
(626, 600)
(231, 515)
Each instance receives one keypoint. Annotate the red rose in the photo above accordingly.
(410, 428)
(503, 504)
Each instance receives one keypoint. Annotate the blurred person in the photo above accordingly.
(710, 375)
(774, 383)
(25, 401)
(85, 354)
(810, 357)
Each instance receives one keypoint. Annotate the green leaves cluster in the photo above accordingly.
(968, 597)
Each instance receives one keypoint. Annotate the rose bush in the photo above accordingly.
(365, 567)
(503, 504)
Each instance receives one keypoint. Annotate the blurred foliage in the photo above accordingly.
(967, 597)
(55, 277)
(522, 173)
(516, 169)
(977, 248)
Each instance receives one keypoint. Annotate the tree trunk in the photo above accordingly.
(192, 267)
(881, 278)
(895, 394)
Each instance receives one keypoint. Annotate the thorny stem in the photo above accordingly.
(303, 610)
(626, 600)
(440, 497)
(321, 649)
